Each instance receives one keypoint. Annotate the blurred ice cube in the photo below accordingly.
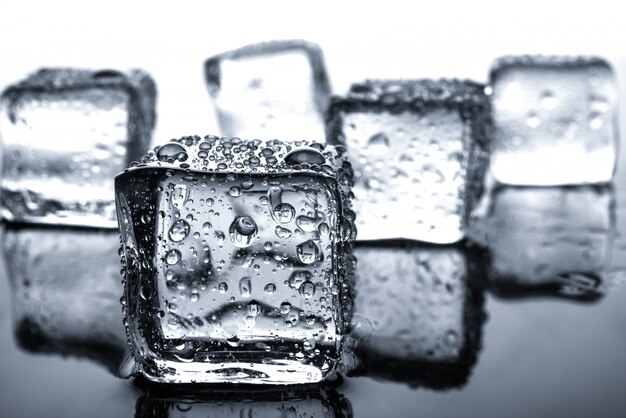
(555, 120)
(419, 152)
(292, 402)
(65, 292)
(418, 314)
(270, 90)
(549, 241)
(65, 134)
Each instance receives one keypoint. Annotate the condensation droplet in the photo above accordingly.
(284, 213)
(378, 144)
(172, 257)
(308, 252)
(282, 232)
(242, 231)
(245, 287)
(270, 288)
(179, 230)
(304, 155)
(307, 290)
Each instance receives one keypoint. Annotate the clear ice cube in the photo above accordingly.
(552, 241)
(65, 134)
(65, 292)
(306, 402)
(270, 90)
(555, 120)
(419, 152)
(237, 262)
(418, 314)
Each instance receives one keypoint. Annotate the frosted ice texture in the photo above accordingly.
(65, 134)
(270, 90)
(419, 152)
(555, 120)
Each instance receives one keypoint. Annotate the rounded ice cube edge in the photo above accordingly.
(186, 156)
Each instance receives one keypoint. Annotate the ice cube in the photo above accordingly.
(270, 90)
(65, 134)
(237, 260)
(418, 314)
(298, 401)
(553, 241)
(65, 292)
(419, 152)
(555, 120)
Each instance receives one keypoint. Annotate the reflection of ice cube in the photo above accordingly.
(276, 89)
(555, 120)
(235, 260)
(65, 134)
(418, 149)
(552, 241)
(191, 402)
(418, 314)
(66, 290)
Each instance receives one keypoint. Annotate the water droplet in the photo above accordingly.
(308, 252)
(171, 152)
(282, 232)
(172, 257)
(298, 277)
(179, 230)
(548, 101)
(254, 308)
(268, 246)
(235, 191)
(306, 223)
(304, 155)
(451, 339)
(245, 287)
(242, 231)
(323, 229)
(533, 120)
(378, 144)
(145, 291)
(270, 288)
(307, 290)
(194, 297)
(219, 237)
(284, 213)
(222, 287)
(285, 307)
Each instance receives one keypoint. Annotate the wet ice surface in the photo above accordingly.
(65, 134)
(418, 150)
(235, 269)
(553, 111)
(271, 90)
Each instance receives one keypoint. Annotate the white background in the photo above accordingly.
(361, 40)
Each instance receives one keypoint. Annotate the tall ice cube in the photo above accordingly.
(65, 134)
(555, 120)
(419, 150)
(276, 89)
(237, 260)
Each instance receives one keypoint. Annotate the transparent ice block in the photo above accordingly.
(418, 314)
(555, 120)
(237, 261)
(294, 402)
(65, 292)
(419, 152)
(65, 134)
(550, 241)
(270, 90)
